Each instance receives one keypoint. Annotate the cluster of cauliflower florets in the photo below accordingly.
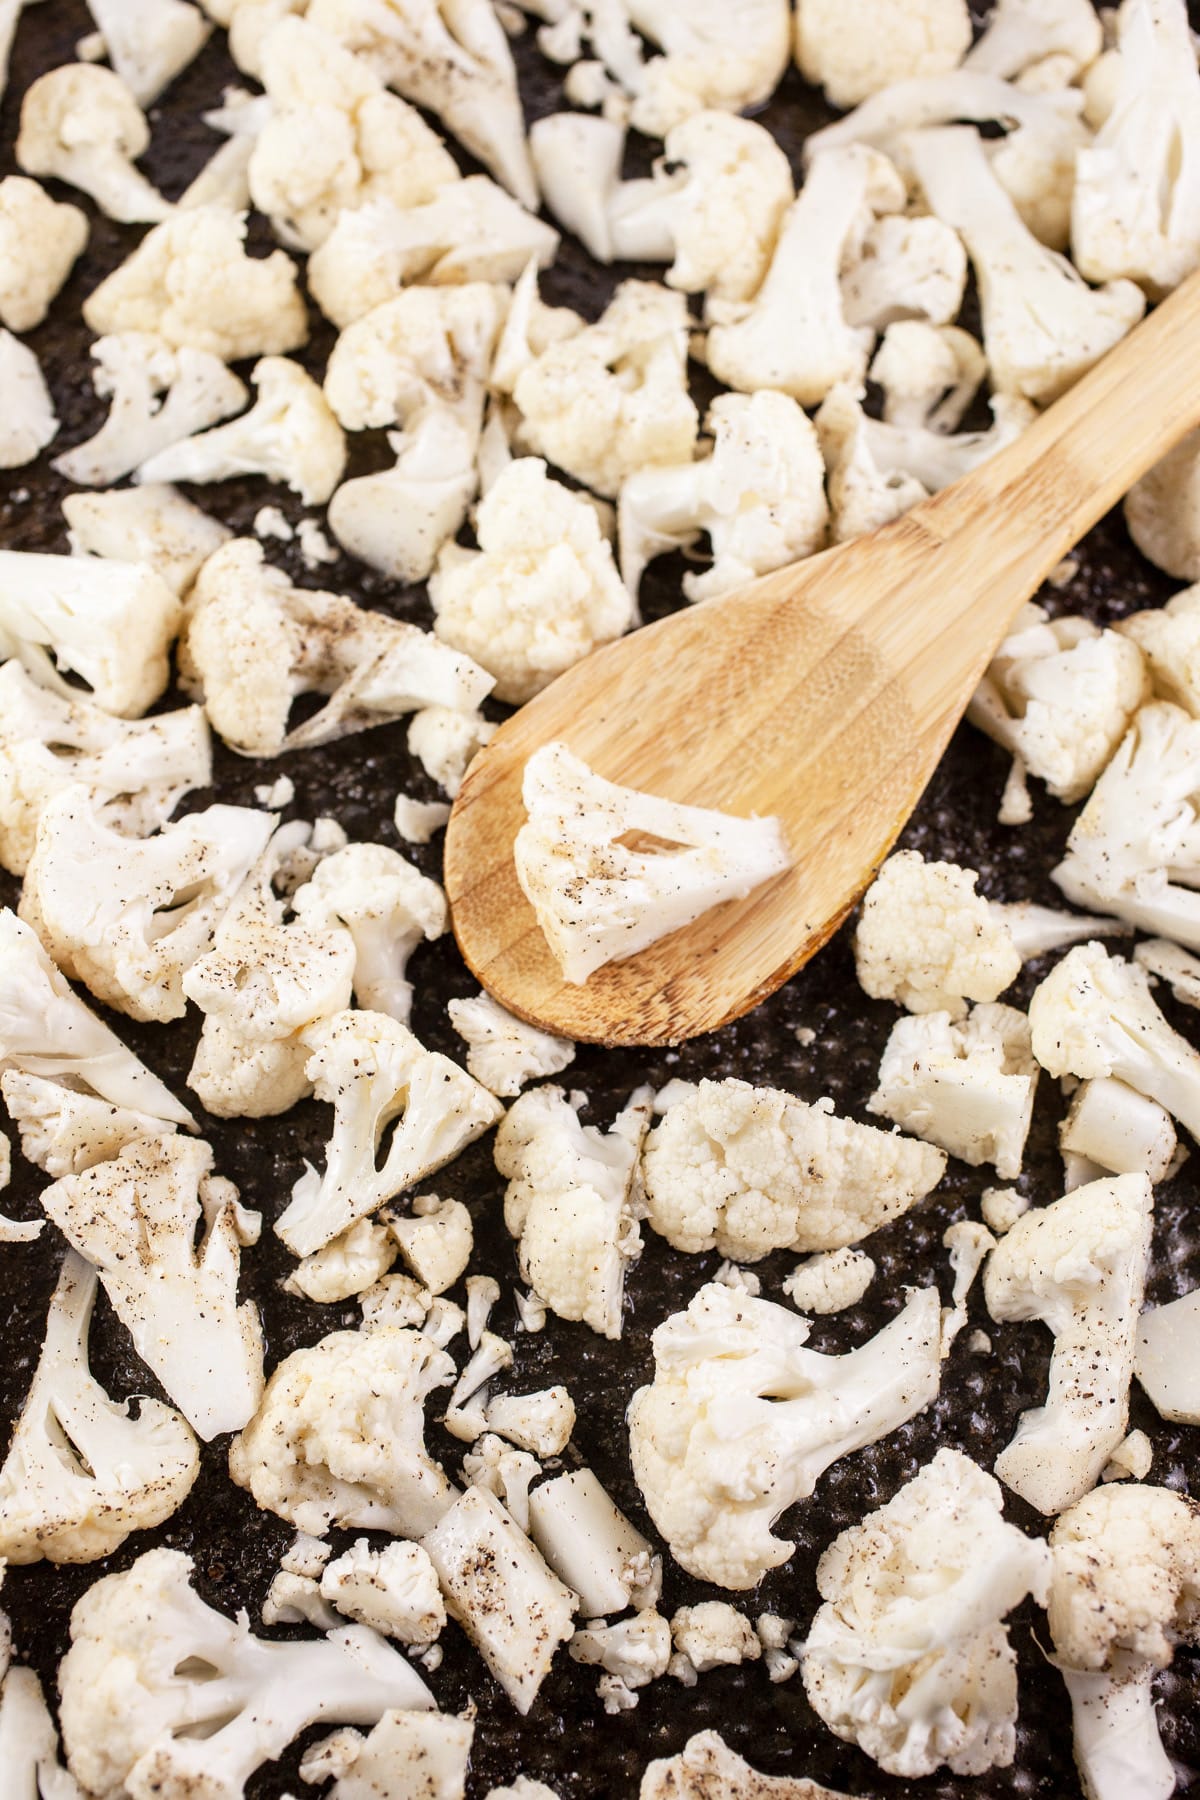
(573, 452)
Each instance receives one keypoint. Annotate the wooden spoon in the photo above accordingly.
(824, 693)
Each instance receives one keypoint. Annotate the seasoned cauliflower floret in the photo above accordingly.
(436, 1241)
(151, 524)
(502, 1051)
(830, 1281)
(347, 1265)
(857, 48)
(39, 240)
(388, 908)
(927, 939)
(82, 124)
(393, 1590)
(747, 1170)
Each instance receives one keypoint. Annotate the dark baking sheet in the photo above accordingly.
(567, 1739)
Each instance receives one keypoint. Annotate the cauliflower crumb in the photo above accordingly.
(830, 1281)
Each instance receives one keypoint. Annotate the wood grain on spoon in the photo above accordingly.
(825, 692)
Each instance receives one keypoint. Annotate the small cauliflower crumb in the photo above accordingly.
(830, 1281)
(1001, 1208)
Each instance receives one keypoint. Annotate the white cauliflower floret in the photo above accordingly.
(163, 1695)
(407, 1753)
(742, 1420)
(46, 1031)
(191, 283)
(1111, 1126)
(159, 396)
(633, 1652)
(81, 124)
(1162, 511)
(1166, 1359)
(1079, 1265)
(40, 239)
(909, 1656)
(388, 908)
(1136, 207)
(1043, 327)
(135, 771)
(436, 1241)
(830, 1281)
(1169, 636)
(289, 435)
(590, 1543)
(503, 1471)
(908, 270)
(30, 421)
(111, 624)
(714, 1635)
(335, 138)
(929, 373)
(80, 1473)
(1022, 33)
(540, 593)
(64, 1131)
(968, 1087)
(178, 1297)
(393, 1590)
(150, 42)
(707, 1767)
(747, 1170)
(376, 1075)
(857, 49)
(927, 939)
(613, 398)
(541, 1422)
(599, 899)
(1125, 1592)
(794, 335)
(150, 524)
(519, 1612)
(346, 1266)
(1060, 694)
(1095, 1015)
(254, 643)
(338, 1439)
(759, 494)
(502, 1051)
(444, 740)
(450, 57)
(570, 1203)
(29, 1738)
(128, 917)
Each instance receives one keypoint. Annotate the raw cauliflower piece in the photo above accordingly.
(150, 42)
(570, 1202)
(135, 770)
(706, 1768)
(503, 1471)
(191, 283)
(128, 917)
(759, 494)
(747, 1170)
(346, 1266)
(149, 524)
(81, 124)
(407, 1753)
(1169, 636)
(394, 1591)
(968, 1087)
(909, 1656)
(856, 49)
(1021, 34)
(613, 398)
(1079, 1265)
(913, 272)
(793, 335)
(254, 643)
(1162, 511)
(177, 1298)
(927, 939)
(1060, 694)
(1125, 1593)
(388, 908)
(1166, 1363)
(540, 593)
(590, 1543)
(80, 1474)
(40, 239)
(830, 1281)
(436, 1241)
(504, 1052)
(633, 1652)
(339, 1437)
(30, 421)
(289, 435)
(541, 1422)
(599, 899)
(335, 138)
(445, 740)
(714, 1635)
(741, 1421)
(64, 1131)
(375, 1074)
(929, 374)
(29, 1736)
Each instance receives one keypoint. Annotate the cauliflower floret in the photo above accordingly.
(759, 494)
(1162, 511)
(444, 740)
(436, 1241)
(570, 1202)
(968, 1087)
(909, 270)
(742, 1420)
(505, 1472)
(613, 398)
(254, 643)
(856, 49)
(541, 1422)
(39, 241)
(128, 917)
(1166, 1360)
(830, 1281)
(64, 1131)
(598, 897)
(909, 1656)
(346, 1266)
(376, 1075)
(633, 1652)
(80, 1474)
(793, 335)
(393, 1590)
(1079, 1265)
(30, 421)
(81, 124)
(289, 435)
(540, 593)
(504, 1052)
(150, 524)
(1022, 33)
(1116, 1129)
(176, 1298)
(1125, 1592)
(714, 1635)
(150, 42)
(135, 771)
(28, 1735)
(1060, 694)
(191, 283)
(747, 1170)
(1169, 638)
(338, 1439)
(706, 1767)
(388, 908)
(928, 940)
(590, 1543)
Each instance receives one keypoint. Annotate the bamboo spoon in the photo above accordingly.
(824, 693)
